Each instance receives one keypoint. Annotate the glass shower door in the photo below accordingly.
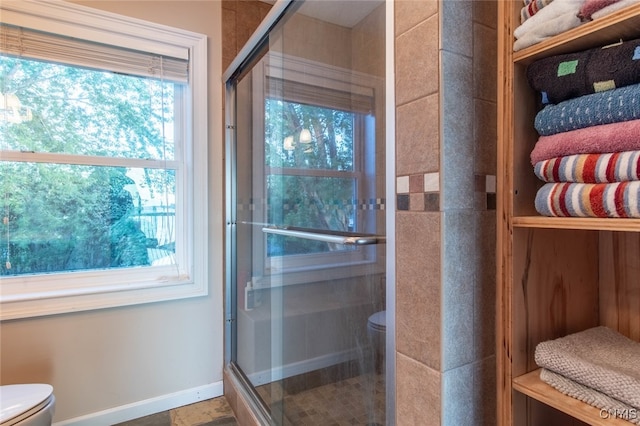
(308, 227)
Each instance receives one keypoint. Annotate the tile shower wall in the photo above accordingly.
(445, 220)
(240, 18)
(445, 224)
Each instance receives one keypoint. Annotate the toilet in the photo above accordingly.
(26, 405)
(377, 328)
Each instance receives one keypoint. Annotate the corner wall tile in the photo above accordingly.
(409, 13)
(459, 270)
(485, 136)
(418, 397)
(418, 136)
(457, 15)
(485, 66)
(457, 146)
(418, 286)
(484, 385)
(485, 12)
(417, 67)
(458, 405)
(485, 289)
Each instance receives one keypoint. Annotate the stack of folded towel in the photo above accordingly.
(541, 19)
(588, 150)
(598, 366)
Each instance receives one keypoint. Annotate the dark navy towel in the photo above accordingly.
(571, 75)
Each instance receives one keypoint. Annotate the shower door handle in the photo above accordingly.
(326, 236)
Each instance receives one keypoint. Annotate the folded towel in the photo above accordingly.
(591, 6)
(615, 137)
(547, 14)
(599, 358)
(591, 168)
(612, 106)
(610, 407)
(613, 8)
(546, 29)
(531, 8)
(604, 200)
(562, 77)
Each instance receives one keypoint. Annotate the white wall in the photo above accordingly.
(108, 364)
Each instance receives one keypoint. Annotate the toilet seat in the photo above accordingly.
(378, 321)
(19, 402)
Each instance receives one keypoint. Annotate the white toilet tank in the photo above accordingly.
(26, 405)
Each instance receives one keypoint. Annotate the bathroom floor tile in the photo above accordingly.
(212, 412)
(159, 419)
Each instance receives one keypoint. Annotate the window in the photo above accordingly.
(319, 162)
(102, 171)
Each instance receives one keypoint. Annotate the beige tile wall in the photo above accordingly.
(445, 219)
(445, 227)
(240, 18)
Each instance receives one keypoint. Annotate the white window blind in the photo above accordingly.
(28, 43)
(321, 96)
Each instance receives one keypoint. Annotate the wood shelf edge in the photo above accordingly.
(563, 43)
(531, 385)
(596, 224)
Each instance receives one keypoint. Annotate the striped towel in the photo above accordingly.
(591, 168)
(531, 8)
(604, 200)
(611, 106)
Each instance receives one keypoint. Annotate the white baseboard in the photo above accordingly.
(296, 368)
(146, 407)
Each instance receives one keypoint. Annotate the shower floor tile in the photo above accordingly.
(355, 401)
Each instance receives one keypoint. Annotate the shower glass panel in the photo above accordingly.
(307, 225)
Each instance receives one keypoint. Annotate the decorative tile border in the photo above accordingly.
(421, 192)
(487, 184)
(360, 204)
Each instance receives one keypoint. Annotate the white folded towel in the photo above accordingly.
(545, 15)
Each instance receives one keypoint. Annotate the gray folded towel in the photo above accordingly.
(599, 358)
(610, 407)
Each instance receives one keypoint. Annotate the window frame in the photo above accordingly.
(296, 269)
(45, 294)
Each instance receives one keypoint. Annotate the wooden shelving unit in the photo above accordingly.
(531, 385)
(556, 276)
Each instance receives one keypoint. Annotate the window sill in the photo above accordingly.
(95, 298)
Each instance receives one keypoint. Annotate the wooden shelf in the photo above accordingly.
(596, 224)
(623, 24)
(555, 275)
(531, 385)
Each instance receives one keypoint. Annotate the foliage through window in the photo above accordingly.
(102, 168)
(312, 180)
(61, 214)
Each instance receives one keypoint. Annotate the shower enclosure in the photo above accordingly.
(306, 247)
